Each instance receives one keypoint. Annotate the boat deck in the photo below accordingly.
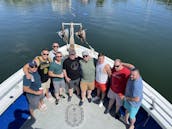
(67, 115)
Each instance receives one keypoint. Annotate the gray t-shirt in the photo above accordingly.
(134, 88)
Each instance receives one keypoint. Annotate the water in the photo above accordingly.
(138, 32)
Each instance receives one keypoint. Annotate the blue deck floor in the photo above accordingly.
(16, 115)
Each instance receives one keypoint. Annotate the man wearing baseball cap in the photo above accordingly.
(31, 87)
(87, 78)
(72, 73)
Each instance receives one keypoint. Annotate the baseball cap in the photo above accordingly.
(72, 52)
(32, 64)
(85, 53)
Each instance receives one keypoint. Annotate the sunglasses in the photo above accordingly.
(58, 56)
(33, 66)
(85, 56)
(55, 46)
(117, 66)
(45, 54)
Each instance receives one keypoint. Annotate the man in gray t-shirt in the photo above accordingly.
(133, 96)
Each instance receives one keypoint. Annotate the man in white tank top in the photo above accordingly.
(103, 70)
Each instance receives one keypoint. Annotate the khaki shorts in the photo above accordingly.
(87, 86)
(46, 85)
(113, 95)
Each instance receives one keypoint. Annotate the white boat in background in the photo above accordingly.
(155, 105)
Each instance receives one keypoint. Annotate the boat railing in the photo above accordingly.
(11, 89)
(69, 24)
(157, 106)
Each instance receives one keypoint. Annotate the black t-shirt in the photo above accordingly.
(72, 68)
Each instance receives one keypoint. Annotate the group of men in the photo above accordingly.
(83, 75)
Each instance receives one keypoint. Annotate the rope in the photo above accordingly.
(89, 45)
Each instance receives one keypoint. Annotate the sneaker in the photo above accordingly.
(62, 96)
(106, 111)
(69, 98)
(122, 118)
(131, 127)
(57, 101)
(81, 103)
(43, 107)
(31, 119)
(101, 103)
(117, 116)
(89, 100)
(96, 98)
(50, 99)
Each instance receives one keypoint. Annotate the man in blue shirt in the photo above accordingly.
(31, 87)
(56, 72)
(133, 96)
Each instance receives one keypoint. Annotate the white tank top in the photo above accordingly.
(101, 76)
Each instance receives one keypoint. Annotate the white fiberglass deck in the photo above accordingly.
(55, 117)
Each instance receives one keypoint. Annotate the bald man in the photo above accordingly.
(133, 96)
(119, 77)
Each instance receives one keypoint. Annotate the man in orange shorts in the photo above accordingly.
(103, 70)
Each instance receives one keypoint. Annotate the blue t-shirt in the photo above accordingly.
(34, 83)
(134, 88)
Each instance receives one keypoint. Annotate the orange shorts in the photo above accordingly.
(101, 86)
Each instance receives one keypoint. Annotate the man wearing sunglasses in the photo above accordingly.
(31, 87)
(56, 72)
(119, 77)
(43, 63)
(87, 77)
(52, 53)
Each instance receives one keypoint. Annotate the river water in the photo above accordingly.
(136, 31)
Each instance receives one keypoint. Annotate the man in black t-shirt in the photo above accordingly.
(71, 68)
